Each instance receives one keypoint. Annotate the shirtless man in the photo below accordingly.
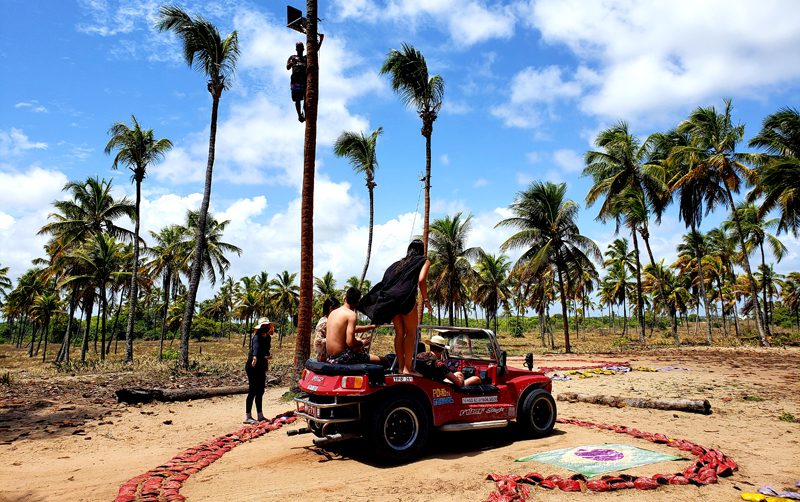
(341, 343)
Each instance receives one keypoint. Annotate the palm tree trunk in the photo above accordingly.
(134, 296)
(564, 312)
(761, 327)
(63, 351)
(702, 285)
(200, 238)
(645, 231)
(104, 300)
(764, 280)
(624, 316)
(85, 341)
(639, 296)
(46, 336)
(112, 337)
(369, 237)
(722, 308)
(165, 310)
(302, 347)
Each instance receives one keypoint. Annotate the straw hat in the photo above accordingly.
(262, 321)
(438, 341)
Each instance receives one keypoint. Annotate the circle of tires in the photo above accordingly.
(537, 414)
(399, 429)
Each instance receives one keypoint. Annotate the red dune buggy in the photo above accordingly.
(396, 413)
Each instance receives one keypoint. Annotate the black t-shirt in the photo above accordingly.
(298, 65)
(260, 348)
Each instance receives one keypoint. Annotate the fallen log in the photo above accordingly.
(139, 395)
(701, 406)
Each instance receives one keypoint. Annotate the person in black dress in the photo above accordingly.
(256, 368)
(395, 299)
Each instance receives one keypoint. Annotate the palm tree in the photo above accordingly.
(691, 253)
(714, 170)
(620, 262)
(790, 295)
(491, 288)
(450, 259)
(90, 210)
(102, 260)
(5, 282)
(676, 296)
(723, 246)
(303, 341)
(285, 296)
(136, 149)
(547, 230)
(756, 229)
(326, 286)
(42, 311)
(779, 167)
(360, 150)
(215, 57)
(165, 257)
(623, 175)
(213, 260)
(408, 73)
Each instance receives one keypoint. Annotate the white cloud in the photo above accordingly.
(534, 91)
(467, 22)
(642, 59)
(14, 142)
(32, 189)
(568, 160)
(444, 159)
(109, 20)
(33, 106)
(480, 182)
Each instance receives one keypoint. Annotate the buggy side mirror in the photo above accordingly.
(501, 364)
(529, 361)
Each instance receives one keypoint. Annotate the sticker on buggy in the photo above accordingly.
(312, 387)
(403, 379)
(441, 392)
(438, 401)
(479, 399)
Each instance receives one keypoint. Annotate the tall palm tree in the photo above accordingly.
(213, 260)
(326, 286)
(5, 282)
(408, 74)
(490, 288)
(691, 253)
(715, 168)
(779, 167)
(756, 228)
(165, 257)
(723, 246)
(302, 347)
(285, 296)
(450, 259)
(790, 295)
(359, 149)
(629, 185)
(42, 311)
(547, 230)
(137, 149)
(620, 261)
(206, 50)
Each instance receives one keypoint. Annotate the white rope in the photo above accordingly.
(416, 210)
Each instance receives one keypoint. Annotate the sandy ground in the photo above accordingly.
(58, 463)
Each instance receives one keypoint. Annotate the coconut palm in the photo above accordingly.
(214, 260)
(165, 260)
(790, 295)
(676, 297)
(359, 149)
(691, 251)
(42, 311)
(756, 228)
(450, 259)
(5, 282)
(779, 167)
(620, 262)
(715, 171)
(285, 296)
(629, 185)
(136, 149)
(408, 74)
(722, 245)
(490, 285)
(206, 50)
(326, 286)
(549, 235)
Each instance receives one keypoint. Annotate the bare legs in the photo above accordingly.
(405, 340)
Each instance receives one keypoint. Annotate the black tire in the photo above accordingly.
(398, 429)
(537, 414)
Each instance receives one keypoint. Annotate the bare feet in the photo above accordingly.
(412, 373)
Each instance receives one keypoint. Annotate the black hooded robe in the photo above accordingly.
(396, 294)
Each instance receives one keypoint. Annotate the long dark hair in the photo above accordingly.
(416, 248)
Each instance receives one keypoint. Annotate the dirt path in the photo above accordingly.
(130, 440)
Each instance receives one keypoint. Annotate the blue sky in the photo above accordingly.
(529, 83)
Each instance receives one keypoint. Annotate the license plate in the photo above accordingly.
(312, 410)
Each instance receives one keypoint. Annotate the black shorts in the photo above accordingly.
(298, 92)
(349, 356)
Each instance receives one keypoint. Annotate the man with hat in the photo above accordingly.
(433, 364)
(256, 368)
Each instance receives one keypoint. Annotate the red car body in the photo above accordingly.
(396, 412)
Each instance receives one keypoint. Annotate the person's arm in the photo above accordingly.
(289, 62)
(254, 348)
(423, 285)
(350, 337)
(366, 327)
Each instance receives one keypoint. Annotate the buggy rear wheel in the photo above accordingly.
(398, 429)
